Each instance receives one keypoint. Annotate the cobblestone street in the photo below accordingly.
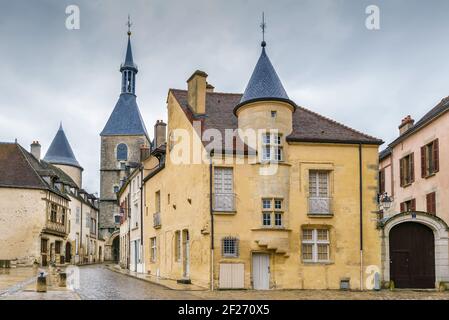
(97, 282)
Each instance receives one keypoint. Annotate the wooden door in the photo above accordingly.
(412, 256)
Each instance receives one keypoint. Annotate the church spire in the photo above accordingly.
(129, 68)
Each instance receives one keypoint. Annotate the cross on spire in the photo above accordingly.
(263, 26)
(129, 24)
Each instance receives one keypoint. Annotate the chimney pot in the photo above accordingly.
(406, 124)
(160, 132)
(196, 91)
(35, 149)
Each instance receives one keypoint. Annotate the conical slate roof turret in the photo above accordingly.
(264, 82)
(60, 151)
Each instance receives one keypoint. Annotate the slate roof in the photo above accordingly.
(308, 126)
(129, 62)
(20, 169)
(264, 83)
(125, 118)
(60, 151)
(434, 113)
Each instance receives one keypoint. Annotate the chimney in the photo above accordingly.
(209, 87)
(144, 152)
(196, 91)
(35, 149)
(406, 124)
(160, 132)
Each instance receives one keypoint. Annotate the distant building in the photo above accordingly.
(39, 205)
(414, 171)
(121, 139)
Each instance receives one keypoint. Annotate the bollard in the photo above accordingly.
(62, 279)
(41, 283)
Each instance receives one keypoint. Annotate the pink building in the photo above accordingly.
(414, 172)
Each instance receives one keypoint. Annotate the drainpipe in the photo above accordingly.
(361, 214)
(80, 243)
(211, 223)
(129, 227)
(141, 216)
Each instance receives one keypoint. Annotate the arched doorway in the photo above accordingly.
(68, 252)
(412, 256)
(116, 249)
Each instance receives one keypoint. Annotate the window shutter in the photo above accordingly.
(436, 161)
(431, 203)
(412, 167)
(401, 171)
(423, 162)
(402, 206)
(413, 205)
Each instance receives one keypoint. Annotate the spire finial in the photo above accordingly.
(129, 24)
(60, 125)
(263, 26)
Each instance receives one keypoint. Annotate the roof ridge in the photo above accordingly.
(338, 123)
(215, 92)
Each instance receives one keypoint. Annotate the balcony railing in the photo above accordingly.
(223, 202)
(157, 220)
(56, 227)
(320, 205)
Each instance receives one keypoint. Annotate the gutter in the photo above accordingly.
(361, 214)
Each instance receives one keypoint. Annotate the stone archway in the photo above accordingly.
(441, 245)
(112, 247)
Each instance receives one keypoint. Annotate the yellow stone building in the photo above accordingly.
(254, 191)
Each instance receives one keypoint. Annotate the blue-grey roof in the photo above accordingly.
(60, 151)
(125, 119)
(264, 82)
(129, 62)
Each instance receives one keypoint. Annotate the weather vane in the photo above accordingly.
(263, 26)
(129, 24)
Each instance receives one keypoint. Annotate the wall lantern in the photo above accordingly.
(385, 201)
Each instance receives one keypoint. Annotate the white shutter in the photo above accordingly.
(232, 275)
(223, 188)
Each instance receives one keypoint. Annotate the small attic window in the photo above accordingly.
(274, 113)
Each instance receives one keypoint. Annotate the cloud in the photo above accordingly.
(326, 58)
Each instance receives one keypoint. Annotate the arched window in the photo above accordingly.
(122, 152)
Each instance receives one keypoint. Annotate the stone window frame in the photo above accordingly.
(314, 242)
(121, 152)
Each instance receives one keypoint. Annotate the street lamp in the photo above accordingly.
(385, 201)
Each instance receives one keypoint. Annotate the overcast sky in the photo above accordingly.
(326, 58)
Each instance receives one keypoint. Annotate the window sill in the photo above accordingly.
(430, 175)
(318, 263)
(407, 185)
(271, 229)
(221, 212)
(320, 215)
